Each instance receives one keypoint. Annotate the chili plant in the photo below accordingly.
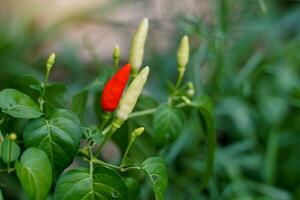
(53, 133)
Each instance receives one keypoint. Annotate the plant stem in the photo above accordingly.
(132, 138)
(7, 170)
(124, 169)
(91, 163)
(116, 64)
(111, 131)
(9, 155)
(104, 118)
(179, 79)
(143, 112)
(152, 110)
(97, 161)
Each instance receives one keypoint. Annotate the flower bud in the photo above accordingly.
(137, 132)
(132, 94)
(50, 61)
(137, 46)
(183, 53)
(12, 136)
(116, 54)
(191, 90)
(186, 100)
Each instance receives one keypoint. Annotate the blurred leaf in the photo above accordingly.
(239, 113)
(273, 109)
(79, 103)
(133, 188)
(28, 84)
(168, 124)
(59, 136)
(80, 183)
(96, 88)
(145, 102)
(155, 169)
(35, 174)
(55, 96)
(204, 105)
(18, 105)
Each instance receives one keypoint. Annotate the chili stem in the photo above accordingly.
(179, 79)
(152, 110)
(106, 138)
(96, 161)
(132, 138)
(104, 119)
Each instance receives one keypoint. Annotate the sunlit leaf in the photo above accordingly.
(59, 136)
(19, 105)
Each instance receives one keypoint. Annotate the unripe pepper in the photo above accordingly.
(183, 53)
(114, 88)
(137, 132)
(182, 58)
(137, 46)
(132, 94)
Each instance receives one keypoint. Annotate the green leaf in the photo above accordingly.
(59, 136)
(55, 96)
(93, 133)
(204, 105)
(133, 188)
(168, 124)
(145, 102)
(156, 171)
(101, 184)
(79, 103)
(96, 88)
(34, 173)
(18, 105)
(10, 151)
(30, 86)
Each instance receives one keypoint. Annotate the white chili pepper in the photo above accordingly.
(183, 53)
(182, 58)
(137, 46)
(131, 95)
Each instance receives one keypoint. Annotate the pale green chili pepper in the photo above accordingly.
(182, 58)
(132, 94)
(183, 53)
(137, 46)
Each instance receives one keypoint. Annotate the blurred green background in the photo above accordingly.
(245, 56)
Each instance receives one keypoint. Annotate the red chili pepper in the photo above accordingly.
(114, 88)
